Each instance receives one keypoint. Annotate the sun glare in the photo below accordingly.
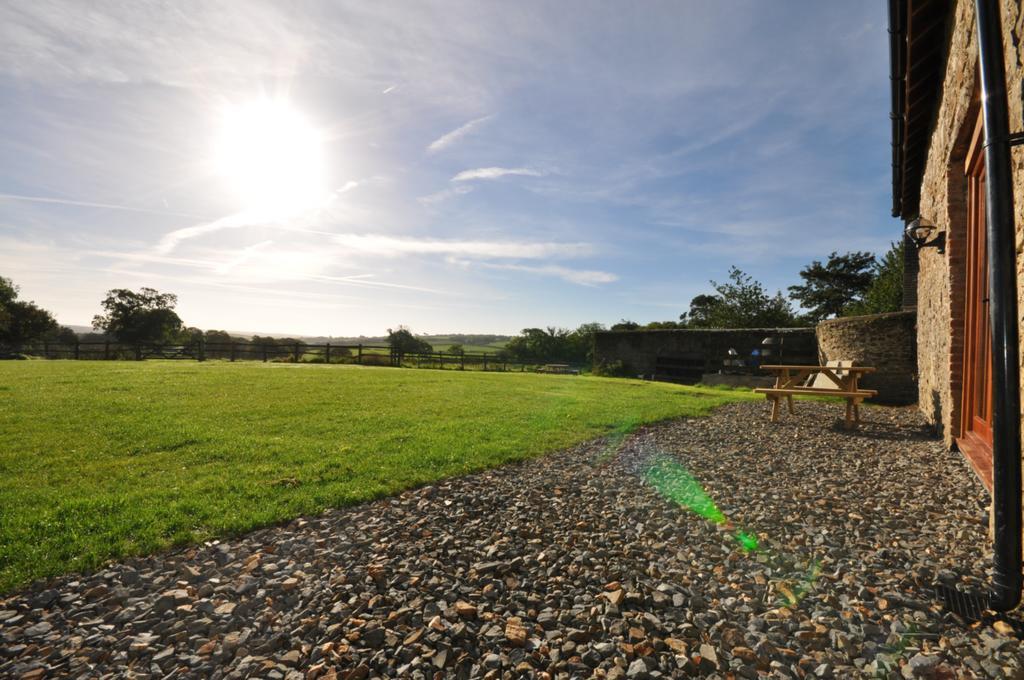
(271, 158)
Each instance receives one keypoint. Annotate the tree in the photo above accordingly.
(703, 309)
(402, 341)
(625, 325)
(539, 344)
(580, 343)
(742, 302)
(886, 291)
(666, 325)
(829, 287)
(65, 335)
(146, 316)
(21, 320)
(456, 348)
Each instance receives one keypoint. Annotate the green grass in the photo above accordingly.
(106, 459)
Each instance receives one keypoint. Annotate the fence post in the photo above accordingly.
(138, 352)
(232, 351)
(462, 363)
(202, 349)
(78, 351)
(440, 358)
(106, 349)
(296, 352)
(359, 357)
(327, 359)
(485, 361)
(46, 349)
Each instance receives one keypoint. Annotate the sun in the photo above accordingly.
(271, 158)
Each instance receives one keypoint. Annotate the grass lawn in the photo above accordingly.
(106, 459)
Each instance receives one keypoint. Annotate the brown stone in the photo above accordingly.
(615, 597)
(677, 645)
(515, 632)
(465, 610)
(1003, 628)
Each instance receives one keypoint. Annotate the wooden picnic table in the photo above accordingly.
(790, 381)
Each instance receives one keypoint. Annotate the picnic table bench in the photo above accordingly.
(832, 380)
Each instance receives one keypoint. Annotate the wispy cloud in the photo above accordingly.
(582, 277)
(392, 246)
(494, 173)
(445, 194)
(91, 204)
(170, 240)
(455, 135)
(296, 265)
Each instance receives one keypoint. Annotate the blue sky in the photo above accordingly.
(341, 168)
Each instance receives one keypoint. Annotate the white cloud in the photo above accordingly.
(170, 240)
(494, 173)
(455, 135)
(582, 277)
(392, 246)
(91, 204)
(445, 194)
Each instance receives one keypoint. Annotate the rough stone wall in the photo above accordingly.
(639, 350)
(888, 342)
(941, 280)
(940, 283)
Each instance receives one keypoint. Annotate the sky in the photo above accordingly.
(340, 168)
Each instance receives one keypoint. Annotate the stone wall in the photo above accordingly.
(941, 281)
(888, 342)
(639, 350)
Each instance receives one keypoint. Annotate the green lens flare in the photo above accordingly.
(675, 482)
(747, 541)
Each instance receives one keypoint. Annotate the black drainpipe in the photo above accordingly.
(897, 83)
(1002, 286)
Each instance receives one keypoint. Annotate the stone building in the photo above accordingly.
(939, 177)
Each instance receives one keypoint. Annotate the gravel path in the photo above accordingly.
(787, 550)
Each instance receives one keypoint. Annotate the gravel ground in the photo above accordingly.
(788, 550)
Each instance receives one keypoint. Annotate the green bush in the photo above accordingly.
(612, 369)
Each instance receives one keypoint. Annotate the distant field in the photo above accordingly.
(107, 459)
(471, 349)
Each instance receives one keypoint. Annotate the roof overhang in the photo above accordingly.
(918, 39)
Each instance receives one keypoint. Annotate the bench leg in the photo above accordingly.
(789, 399)
(775, 409)
(848, 423)
(856, 412)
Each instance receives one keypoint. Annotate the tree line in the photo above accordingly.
(849, 284)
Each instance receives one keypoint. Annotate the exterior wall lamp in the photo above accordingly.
(920, 230)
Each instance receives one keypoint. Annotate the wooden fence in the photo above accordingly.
(298, 352)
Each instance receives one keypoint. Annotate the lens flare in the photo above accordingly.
(674, 482)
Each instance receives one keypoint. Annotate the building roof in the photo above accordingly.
(918, 39)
